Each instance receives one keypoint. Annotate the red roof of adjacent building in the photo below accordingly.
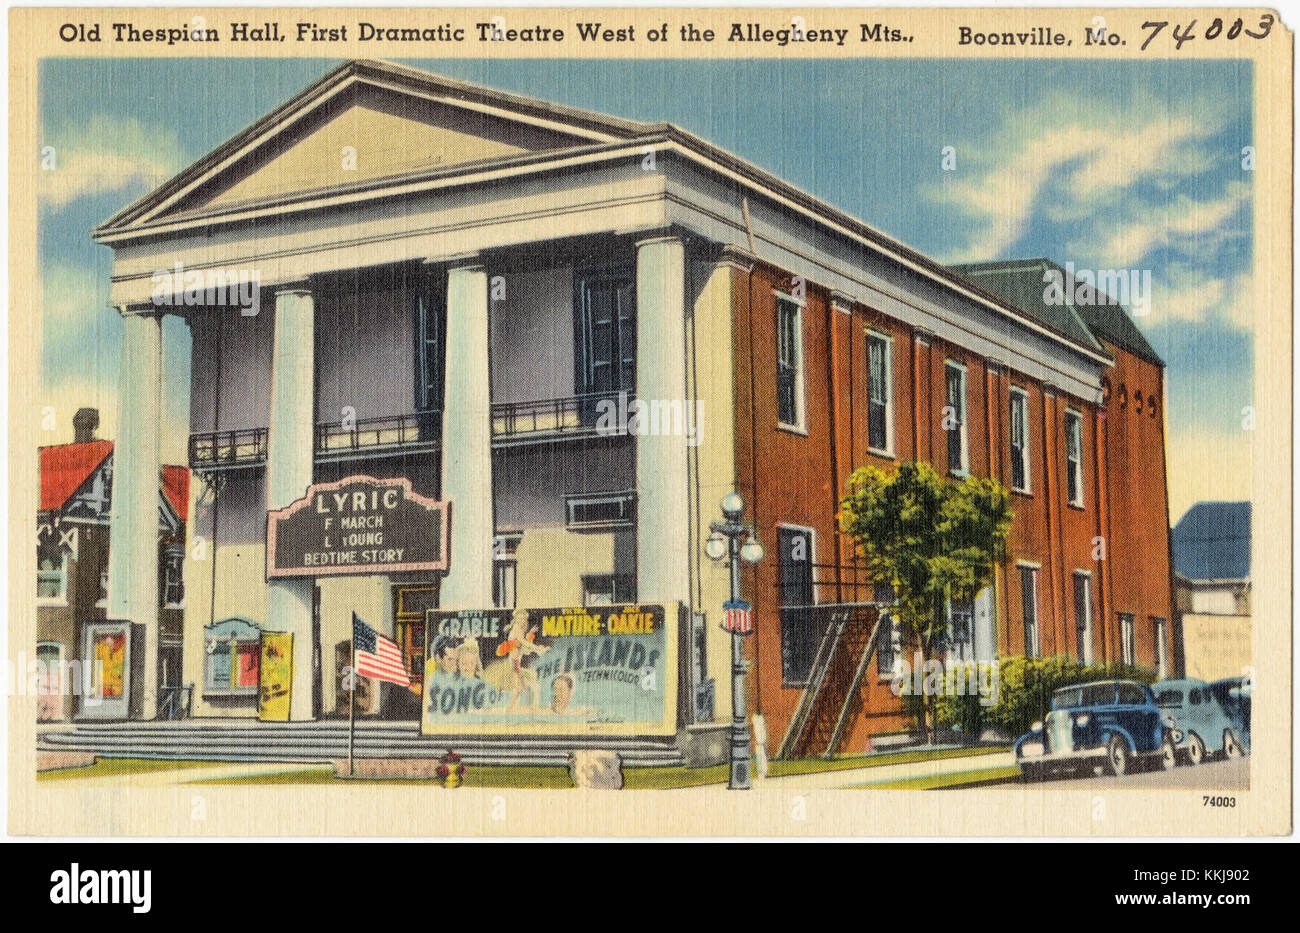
(65, 467)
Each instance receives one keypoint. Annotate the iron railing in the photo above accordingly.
(370, 437)
(595, 413)
(227, 449)
(589, 415)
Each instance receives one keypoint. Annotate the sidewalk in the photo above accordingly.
(976, 762)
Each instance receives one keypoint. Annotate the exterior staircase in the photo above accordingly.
(322, 741)
(830, 699)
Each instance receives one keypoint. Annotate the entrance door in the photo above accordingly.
(106, 669)
(410, 603)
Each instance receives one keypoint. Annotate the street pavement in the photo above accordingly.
(1215, 775)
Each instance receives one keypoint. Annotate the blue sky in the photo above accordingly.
(1127, 165)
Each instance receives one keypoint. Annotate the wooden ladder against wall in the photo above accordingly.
(827, 702)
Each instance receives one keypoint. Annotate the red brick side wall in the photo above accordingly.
(790, 478)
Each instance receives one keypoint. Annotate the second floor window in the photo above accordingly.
(880, 402)
(605, 333)
(1019, 440)
(1074, 457)
(428, 353)
(789, 363)
(954, 418)
(51, 574)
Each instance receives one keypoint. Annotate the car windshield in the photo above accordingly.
(1169, 698)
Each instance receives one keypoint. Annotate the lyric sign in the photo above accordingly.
(358, 525)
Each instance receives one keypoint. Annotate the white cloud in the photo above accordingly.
(1187, 295)
(1186, 222)
(1074, 161)
(108, 155)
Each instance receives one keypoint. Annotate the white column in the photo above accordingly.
(663, 513)
(289, 457)
(467, 441)
(137, 470)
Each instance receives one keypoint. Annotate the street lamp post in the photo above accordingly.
(736, 541)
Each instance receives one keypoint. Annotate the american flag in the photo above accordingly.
(376, 656)
(737, 617)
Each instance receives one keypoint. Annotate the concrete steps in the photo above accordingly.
(314, 742)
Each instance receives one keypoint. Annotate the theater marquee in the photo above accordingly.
(358, 525)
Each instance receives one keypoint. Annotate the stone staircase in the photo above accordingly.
(314, 742)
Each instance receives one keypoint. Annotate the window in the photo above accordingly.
(1083, 615)
(609, 589)
(789, 363)
(172, 584)
(428, 329)
(1127, 647)
(1162, 646)
(961, 629)
(880, 403)
(504, 576)
(233, 655)
(1029, 608)
(1019, 440)
(800, 633)
(1074, 457)
(954, 420)
(605, 333)
(600, 509)
(51, 574)
(889, 641)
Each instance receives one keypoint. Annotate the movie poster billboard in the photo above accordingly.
(594, 669)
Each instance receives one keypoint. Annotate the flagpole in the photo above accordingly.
(352, 697)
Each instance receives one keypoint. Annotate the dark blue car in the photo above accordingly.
(1113, 723)
(1234, 695)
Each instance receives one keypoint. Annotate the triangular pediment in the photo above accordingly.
(363, 122)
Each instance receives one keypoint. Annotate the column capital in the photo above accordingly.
(659, 237)
(466, 262)
(149, 310)
(296, 287)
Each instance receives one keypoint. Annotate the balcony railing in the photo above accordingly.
(344, 440)
(575, 416)
(806, 584)
(218, 450)
(512, 423)
(374, 437)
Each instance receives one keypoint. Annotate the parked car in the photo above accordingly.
(1198, 721)
(1234, 695)
(1115, 723)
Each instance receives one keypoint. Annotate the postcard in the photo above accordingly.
(696, 422)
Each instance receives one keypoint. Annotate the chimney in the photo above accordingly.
(84, 423)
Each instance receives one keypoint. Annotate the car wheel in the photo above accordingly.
(1117, 756)
(1231, 747)
(1168, 755)
(1195, 749)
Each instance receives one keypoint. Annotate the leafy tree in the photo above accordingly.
(931, 539)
